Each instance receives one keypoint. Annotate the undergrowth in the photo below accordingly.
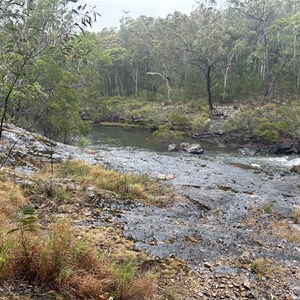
(57, 259)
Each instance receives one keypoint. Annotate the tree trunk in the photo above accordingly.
(297, 86)
(135, 75)
(208, 87)
(117, 85)
(266, 61)
(225, 74)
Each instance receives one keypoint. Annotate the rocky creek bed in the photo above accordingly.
(225, 222)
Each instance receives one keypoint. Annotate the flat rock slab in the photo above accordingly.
(208, 221)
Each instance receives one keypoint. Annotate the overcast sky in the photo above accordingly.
(112, 10)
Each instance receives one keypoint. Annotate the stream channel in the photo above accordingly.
(136, 140)
(213, 198)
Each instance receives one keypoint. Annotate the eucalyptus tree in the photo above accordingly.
(263, 12)
(285, 50)
(137, 36)
(203, 42)
(27, 29)
(233, 43)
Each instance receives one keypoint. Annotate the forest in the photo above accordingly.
(51, 65)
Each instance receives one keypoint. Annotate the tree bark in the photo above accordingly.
(167, 80)
(208, 87)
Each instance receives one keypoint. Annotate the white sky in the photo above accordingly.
(112, 10)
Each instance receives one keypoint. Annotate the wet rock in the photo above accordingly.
(248, 151)
(247, 284)
(136, 119)
(296, 169)
(284, 149)
(194, 149)
(186, 147)
(207, 265)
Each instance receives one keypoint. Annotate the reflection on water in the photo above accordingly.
(107, 137)
(138, 139)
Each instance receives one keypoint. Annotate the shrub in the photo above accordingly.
(178, 119)
(201, 123)
(268, 123)
(165, 133)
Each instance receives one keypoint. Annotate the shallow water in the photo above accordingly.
(140, 140)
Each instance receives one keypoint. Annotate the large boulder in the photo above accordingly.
(186, 147)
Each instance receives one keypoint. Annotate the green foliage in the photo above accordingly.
(25, 221)
(178, 118)
(165, 133)
(200, 123)
(124, 272)
(269, 123)
(35, 38)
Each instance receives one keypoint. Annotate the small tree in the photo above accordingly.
(27, 29)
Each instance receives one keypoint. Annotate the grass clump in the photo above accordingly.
(11, 199)
(268, 268)
(127, 185)
(129, 286)
(60, 260)
(165, 133)
(285, 230)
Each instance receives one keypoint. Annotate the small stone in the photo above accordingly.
(247, 284)
(207, 265)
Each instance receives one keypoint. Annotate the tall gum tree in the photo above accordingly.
(203, 44)
(263, 13)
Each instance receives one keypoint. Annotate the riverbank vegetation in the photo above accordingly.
(169, 72)
(269, 123)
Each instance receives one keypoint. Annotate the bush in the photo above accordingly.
(268, 123)
(165, 133)
(200, 123)
(178, 118)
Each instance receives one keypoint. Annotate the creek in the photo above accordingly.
(212, 197)
(137, 140)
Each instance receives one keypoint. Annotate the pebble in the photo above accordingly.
(247, 284)
(207, 265)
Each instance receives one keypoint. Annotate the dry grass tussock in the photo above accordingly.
(127, 185)
(268, 268)
(11, 199)
(59, 260)
(285, 230)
